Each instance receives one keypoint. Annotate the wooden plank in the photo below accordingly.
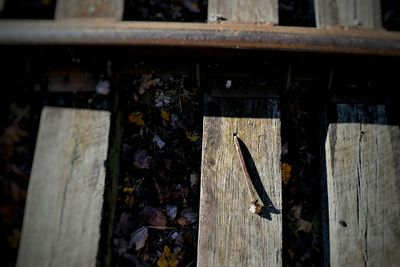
(71, 80)
(229, 235)
(66, 189)
(67, 9)
(363, 175)
(243, 11)
(200, 36)
(360, 13)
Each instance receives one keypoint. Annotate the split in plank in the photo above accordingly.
(362, 162)
(66, 189)
(229, 235)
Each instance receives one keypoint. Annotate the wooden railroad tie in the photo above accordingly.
(63, 218)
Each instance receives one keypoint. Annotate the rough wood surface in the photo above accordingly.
(65, 194)
(363, 13)
(363, 180)
(243, 11)
(229, 235)
(66, 9)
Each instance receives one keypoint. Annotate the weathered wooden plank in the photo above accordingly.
(243, 11)
(65, 195)
(363, 175)
(112, 9)
(363, 13)
(229, 235)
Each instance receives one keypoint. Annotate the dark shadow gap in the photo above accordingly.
(28, 9)
(166, 10)
(296, 13)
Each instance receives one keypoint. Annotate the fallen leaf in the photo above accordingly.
(136, 118)
(303, 225)
(171, 211)
(154, 217)
(162, 100)
(167, 259)
(182, 221)
(294, 212)
(159, 142)
(128, 189)
(103, 88)
(286, 172)
(190, 215)
(192, 136)
(139, 237)
(129, 201)
(142, 159)
(165, 115)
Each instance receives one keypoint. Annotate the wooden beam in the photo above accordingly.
(65, 195)
(243, 11)
(362, 162)
(111, 9)
(358, 13)
(229, 235)
(200, 35)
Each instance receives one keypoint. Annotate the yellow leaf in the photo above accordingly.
(165, 115)
(167, 259)
(192, 136)
(162, 262)
(167, 251)
(128, 189)
(136, 118)
(286, 172)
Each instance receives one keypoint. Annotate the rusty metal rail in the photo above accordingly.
(199, 35)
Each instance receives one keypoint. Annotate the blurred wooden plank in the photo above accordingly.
(243, 11)
(229, 235)
(363, 176)
(67, 9)
(71, 80)
(65, 196)
(360, 13)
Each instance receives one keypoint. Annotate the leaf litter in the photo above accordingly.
(157, 209)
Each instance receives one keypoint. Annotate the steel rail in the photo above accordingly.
(200, 35)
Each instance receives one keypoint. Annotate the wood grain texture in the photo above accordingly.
(363, 13)
(67, 9)
(229, 235)
(65, 194)
(243, 10)
(363, 180)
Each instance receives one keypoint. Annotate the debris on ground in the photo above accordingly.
(158, 198)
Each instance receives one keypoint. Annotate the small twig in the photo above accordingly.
(161, 227)
(255, 206)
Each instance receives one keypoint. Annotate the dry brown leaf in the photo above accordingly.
(286, 172)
